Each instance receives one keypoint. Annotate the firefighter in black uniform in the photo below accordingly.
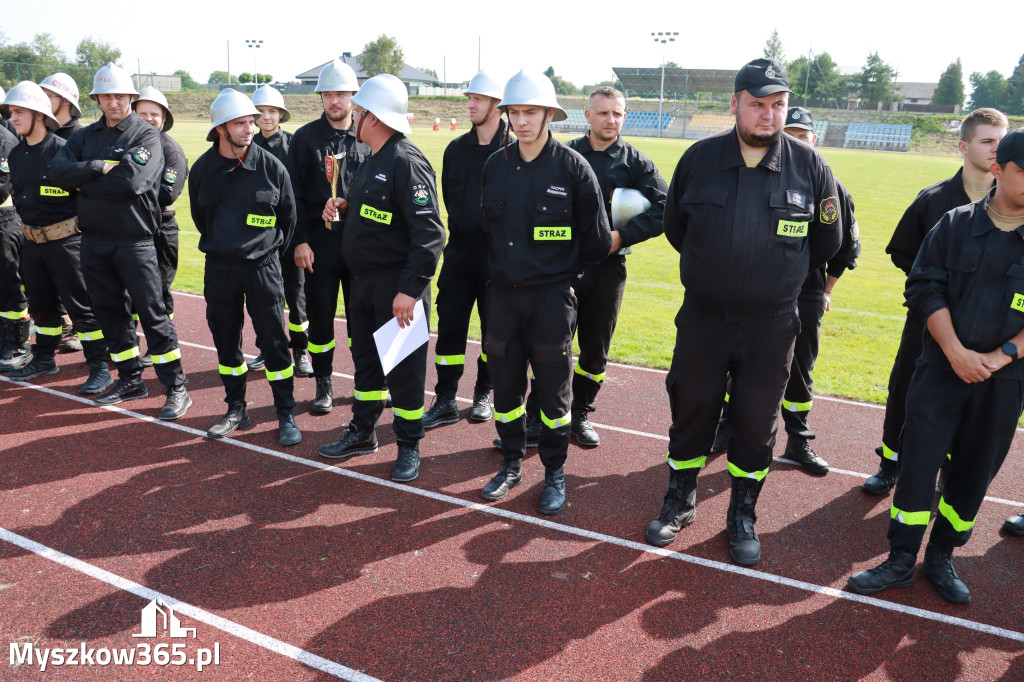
(544, 214)
(152, 107)
(244, 209)
(62, 91)
(5, 122)
(50, 257)
(967, 392)
(117, 163)
(751, 212)
(318, 244)
(392, 241)
(980, 134)
(463, 278)
(14, 334)
(277, 141)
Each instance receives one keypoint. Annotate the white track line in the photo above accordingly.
(223, 624)
(571, 530)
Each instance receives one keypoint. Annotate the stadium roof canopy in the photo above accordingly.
(676, 80)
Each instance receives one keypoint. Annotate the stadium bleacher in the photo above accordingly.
(702, 125)
(646, 121)
(877, 136)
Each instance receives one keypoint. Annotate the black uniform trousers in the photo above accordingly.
(321, 295)
(974, 422)
(799, 395)
(53, 275)
(371, 306)
(166, 242)
(911, 343)
(531, 325)
(461, 284)
(756, 352)
(12, 295)
(110, 270)
(227, 287)
(295, 297)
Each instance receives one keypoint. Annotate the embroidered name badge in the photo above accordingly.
(1018, 302)
(253, 220)
(373, 214)
(45, 191)
(796, 198)
(789, 228)
(556, 191)
(552, 234)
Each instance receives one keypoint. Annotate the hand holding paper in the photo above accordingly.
(395, 342)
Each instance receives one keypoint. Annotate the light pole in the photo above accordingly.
(257, 44)
(663, 37)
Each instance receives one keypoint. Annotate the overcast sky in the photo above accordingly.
(583, 41)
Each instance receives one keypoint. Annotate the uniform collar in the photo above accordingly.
(733, 156)
(980, 227)
(247, 162)
(125, 122)
(330, 132)
(611, 150)
(548, 146)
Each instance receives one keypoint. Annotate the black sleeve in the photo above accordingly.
(68, 169)
(928, 282)
(299, 182)
(650, 223)
(846, 257)
(417, 204)
(591, 218)
(909, 234)
(138, 171)
(287, 217)
(826, 228)
(172, 182)
(675, 228)
(193, 204)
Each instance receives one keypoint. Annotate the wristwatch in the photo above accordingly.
(1010, 349)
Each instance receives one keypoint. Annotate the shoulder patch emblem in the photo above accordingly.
(4, 167)
(829, 210)
(170, 176)
(855, 231)
(420, 195)
(141, 156)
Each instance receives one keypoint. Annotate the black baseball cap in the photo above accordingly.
(1011, 147)
(762, 77)
(798, 117)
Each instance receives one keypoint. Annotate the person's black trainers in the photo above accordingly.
(177, 404)
(799, 450)
(440, 413)
(883, 480)
(352, 442)
(896, 571)
(38, 366)
(407, 464)
(481, 411)
(124, 389)
(938, 567)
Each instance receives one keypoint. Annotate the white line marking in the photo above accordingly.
(223, 624)
(579, 532)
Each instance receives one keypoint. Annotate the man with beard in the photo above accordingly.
(318, 244)
(751, 212)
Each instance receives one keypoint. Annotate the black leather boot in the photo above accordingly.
(896, 571)
(352, 442)
(679, 509)
(884, 479)
(582, 430)
(744, 545)
(124, 389)
(552, 498)
(324, 400)
(287, 430)
(938, 567)
(237, 417)
(443, 411)
(99, 379)
(407, 464)
(508, 477)
(38, 366)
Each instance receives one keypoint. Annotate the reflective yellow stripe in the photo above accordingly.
(736, 472)
(695, 463)
(949, 456)
(556, 422)
(889, 454)
(125, 355)
(14, 314)
(321, 348)
(450, 359)
(135, 316)
(411, 415)
(45, 191)
(350, 342)
(797, 407)
(596, 378)
(164, 358)
(727, 397)
(91, 336)
(253, 220)
(279, 374)
(483, 356)
(233, 371)
(171, 317)
(954, 519)
(49, 331)
(920, 518)
(511, 416)
(370, 396)
(301, 327)
(532, 375)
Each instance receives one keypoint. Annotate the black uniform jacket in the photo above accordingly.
(748, 237)
(975, 270)
(309, 145)
(66, 130)
(392, 223)
(39, 204)
(277, 144)
(846, 257)
(462, 185)
(244, 211)
(172, 182)
(121, 206)
(920, 217)
(8, 141)
(546, 218)
(622, 165)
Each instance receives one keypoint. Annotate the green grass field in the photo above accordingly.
(860, 334)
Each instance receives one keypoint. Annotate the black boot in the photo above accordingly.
(237, 417)
(799, 450)
(303, 368)
(938, 567)
(1015, 524)
(16, 351)
(99, 379)
(896, 571)
(407, 464)
(884, 479)
(508, 477)
(324, 400)
(552, 498)
(177, 403)
(124, 389)
(443, 411)
(582, 430)
(352, 442)
(679, 509)
(744, 545)
(481, 411)
(38, 366)
(287, 430)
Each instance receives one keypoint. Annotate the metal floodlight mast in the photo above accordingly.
(257, 44)
(663, 37)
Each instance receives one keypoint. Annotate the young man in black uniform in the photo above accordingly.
(980, 134)
(277, 141)
(152, 107)
(62, 91)
(463, 278)
(751, 212)
(392, 241)
(50, 256)
(318, 244)
(15, 325)
(117, 163)
(244, 209)
(967, 392)
(544, 213)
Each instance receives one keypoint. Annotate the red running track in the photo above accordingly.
(295, 567)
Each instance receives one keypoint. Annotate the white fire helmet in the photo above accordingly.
(386, 97)
(270, 97)
(529, 88)
(28, 95)
(112, 80)
(337, 77)
(65, 86)
(485, 83)
(150, 94)
(229, 105)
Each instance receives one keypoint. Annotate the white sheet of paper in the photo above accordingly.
(395, 344)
